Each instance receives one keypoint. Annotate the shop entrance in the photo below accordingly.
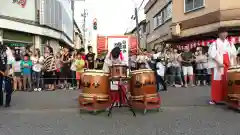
(17, 41)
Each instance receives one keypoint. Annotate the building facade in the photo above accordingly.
(194, 22)
(142, 33)
(77, 37)
(158, 19)
(37, 23)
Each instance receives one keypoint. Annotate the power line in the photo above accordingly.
(141, 5)
(84, 15)
(134, 15)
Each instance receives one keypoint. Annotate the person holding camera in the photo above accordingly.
(5, 56)
(186, 59)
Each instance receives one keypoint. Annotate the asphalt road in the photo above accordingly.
(184, 112)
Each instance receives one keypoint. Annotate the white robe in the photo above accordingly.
(109, 62)
(216, 51)
(160, 69)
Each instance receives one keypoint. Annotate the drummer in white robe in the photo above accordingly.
(115, 57)
(222, 55)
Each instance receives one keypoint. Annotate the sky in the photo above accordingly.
(113, 16)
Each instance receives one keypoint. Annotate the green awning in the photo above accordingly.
(17, 37)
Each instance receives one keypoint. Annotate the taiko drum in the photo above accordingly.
(143, 82)
(233, 79)
(95, 84)
(118, 71)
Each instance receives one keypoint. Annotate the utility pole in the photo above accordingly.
(137, 28)
(84, 15)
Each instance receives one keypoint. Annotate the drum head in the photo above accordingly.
(234, 69)
(141, 71)
(95, 72)
(119, 65)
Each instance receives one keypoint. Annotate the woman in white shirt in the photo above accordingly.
(37, 60)
(175, 68)
(160, 72)
(201, 61)
(73, 70)
(17, 73)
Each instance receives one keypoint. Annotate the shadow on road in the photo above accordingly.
(174, 97)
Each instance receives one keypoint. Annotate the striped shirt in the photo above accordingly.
(47, 63)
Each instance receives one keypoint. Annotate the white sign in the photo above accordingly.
(23, 9)
(114, 85)
(120, 42)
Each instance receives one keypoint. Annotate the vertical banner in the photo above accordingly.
(101, 44)
(122, 42)
(133, 45)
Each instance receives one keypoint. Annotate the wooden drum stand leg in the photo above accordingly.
(93, 105)
(146, 102)
(151, 103)
(233, 102)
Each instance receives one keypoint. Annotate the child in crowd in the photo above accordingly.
(80, 64)
(100, 62)
(26, 66)
(17, 73)
(160, 73)
(82, 53)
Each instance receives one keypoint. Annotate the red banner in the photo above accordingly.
(101, 44)
(201, 43)
(133, 45)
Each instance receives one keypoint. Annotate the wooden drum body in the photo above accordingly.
(118, 71)
(95, 84)
(143, 83)
(233, 78)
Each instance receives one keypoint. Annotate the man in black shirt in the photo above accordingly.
(90, 57)
(3, 72)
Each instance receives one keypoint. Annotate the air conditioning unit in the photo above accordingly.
(176, 29)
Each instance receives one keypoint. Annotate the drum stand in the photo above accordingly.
(120, 91)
